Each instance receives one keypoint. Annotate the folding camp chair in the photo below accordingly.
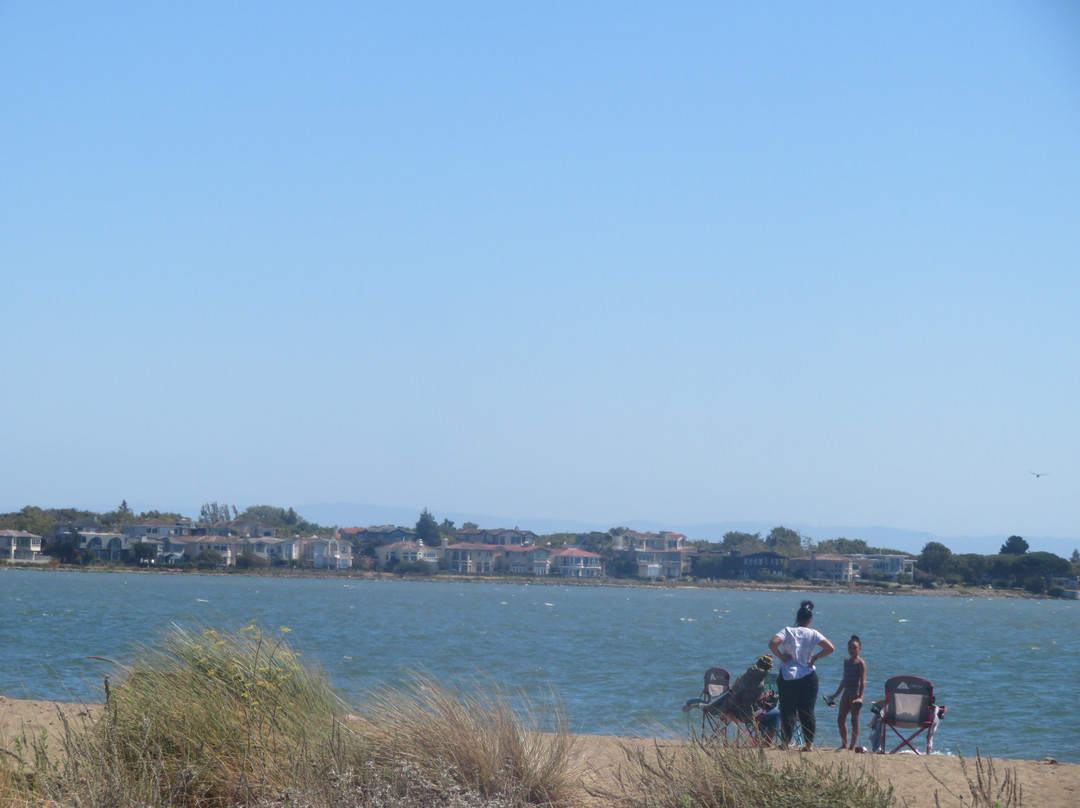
(908, 711)
(720, 719)
(714, 717)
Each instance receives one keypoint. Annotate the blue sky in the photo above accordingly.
(792, 262)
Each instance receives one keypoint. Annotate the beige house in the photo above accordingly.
(472, 559)
(18, 545)
(824, 567)
(405, 551)
(328, 554)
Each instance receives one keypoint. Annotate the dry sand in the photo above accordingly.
(918, 780)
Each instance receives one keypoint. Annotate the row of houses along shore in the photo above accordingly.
(663, 555)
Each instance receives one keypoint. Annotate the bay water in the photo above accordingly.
(619, 660)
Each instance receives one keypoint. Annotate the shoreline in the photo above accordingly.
(899, 590)
(935, 780)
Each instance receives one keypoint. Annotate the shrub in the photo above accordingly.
(1035, 585)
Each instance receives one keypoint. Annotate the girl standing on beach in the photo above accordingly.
(853, 685)
(798, 680)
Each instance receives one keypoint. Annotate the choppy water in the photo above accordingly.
(621, 660)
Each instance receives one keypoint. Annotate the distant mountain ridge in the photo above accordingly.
(346, 514)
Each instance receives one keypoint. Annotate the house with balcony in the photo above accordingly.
(883, 566)
(657, 555)
(824, 567)
(573, 562)
(388, 555)
(274, 549)
(327, 554)
(525, 560)
(229, 548)
(470, 558)
(19, 545)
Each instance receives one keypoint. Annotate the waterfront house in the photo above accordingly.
(573, 562)
(657, 555)
(104, 546)
(753, 566)
(525, 560)
(228, 547)
(471, 558)
(18, 545)
(889, 566)
(387, 555)
(824, 567)
(327, 554)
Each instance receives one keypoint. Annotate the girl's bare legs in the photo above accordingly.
(856, 708)
(841, 720)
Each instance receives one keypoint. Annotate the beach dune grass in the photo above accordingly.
(489, 738)
(210, 719)
(734, 774)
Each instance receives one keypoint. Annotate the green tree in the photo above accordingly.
(970, 567)
(427, 529)
(843, 546)
(213, 512)
(470, 526)
(113, 520)
(250, 561)
(934, 558)
(141, 550)
(207, 559)
(785, 541)
(168, 516)
(741, 543)
(34, 520)
(1014, 545)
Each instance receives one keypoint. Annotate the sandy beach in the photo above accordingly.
(917, 780)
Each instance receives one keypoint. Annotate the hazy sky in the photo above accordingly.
(793, 262)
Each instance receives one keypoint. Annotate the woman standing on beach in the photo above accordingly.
(853, 685)
(798, 681)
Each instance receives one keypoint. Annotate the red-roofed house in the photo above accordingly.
(573, 562)
(529, 560)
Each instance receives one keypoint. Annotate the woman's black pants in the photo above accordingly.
(798, 697)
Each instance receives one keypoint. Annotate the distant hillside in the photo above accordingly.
(346, 514)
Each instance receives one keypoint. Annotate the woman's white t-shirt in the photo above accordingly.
(798, 642)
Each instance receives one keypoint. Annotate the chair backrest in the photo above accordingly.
(717, 682)
(908, 699)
